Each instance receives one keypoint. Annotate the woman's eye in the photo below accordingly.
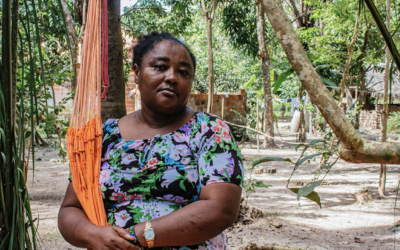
(184, 72)
(159, 67)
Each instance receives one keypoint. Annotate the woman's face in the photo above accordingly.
(165, 77)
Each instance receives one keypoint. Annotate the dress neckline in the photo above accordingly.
(158, 135)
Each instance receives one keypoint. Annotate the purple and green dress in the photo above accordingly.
(144, 179)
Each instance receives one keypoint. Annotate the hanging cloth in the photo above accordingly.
(84, 136)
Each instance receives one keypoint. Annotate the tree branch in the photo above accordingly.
(203, 5)
(352, 148)
(70, 22)
(133, 8)
(214, 6)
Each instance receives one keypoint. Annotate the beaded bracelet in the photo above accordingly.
(135, 240)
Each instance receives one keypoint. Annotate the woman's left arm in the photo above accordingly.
(216, 210)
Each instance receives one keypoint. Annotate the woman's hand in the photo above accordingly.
(110, 238)
(79, 231)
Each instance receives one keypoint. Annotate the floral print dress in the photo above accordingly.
(144, 179)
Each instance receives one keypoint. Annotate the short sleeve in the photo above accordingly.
(219, 159)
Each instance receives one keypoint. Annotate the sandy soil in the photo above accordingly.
(286, 223)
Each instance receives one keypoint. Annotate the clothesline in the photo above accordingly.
(261, 133)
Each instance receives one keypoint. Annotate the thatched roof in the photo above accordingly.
(375, 82)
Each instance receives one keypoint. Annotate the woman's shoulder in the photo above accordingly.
(210, 118)
(110, 125)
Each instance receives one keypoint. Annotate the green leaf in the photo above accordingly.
(250, 82)
(312, 143)
(3, 156)
(307, 189)
(260, 184)
(282, 77)
(182, 185)
(323, 66)
(227, 175)
(27, 134)
(313, 196)
(300, 145)
(306, 158)
(267, 159)
(329, 83)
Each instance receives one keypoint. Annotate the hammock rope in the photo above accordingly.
(104, 59)
(84, 136)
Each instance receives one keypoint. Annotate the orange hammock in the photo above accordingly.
(84, 136)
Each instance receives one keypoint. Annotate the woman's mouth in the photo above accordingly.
(168, 92)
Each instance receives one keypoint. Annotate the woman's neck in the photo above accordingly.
(155, 120)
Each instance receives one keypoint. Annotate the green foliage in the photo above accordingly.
(150, 15)
(231, 67)
(281, 79)
(317, 145)
(250, 184)
(308, 193)
(43, 62)
(393, 123)
(383, 29)
(239, 22)
(267, 159)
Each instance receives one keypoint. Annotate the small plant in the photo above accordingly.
(250, 184)
(321, 148)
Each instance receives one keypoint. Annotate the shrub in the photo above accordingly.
(393, 125)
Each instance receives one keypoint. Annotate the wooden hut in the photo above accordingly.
(370, 116)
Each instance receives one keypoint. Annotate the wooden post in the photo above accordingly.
(223, 107)
(355, 102)
(258, 126)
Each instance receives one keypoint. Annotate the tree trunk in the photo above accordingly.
(352, 148)
(296, 13)
(210, 67)
(361, 85)
(361, 94)
(348, 62)
(308, 115)
(385, 111)
(266, 65)
(7, 166)
(209, 17)
(14, 44)
(114, 105)
(302, 128)
(73, 40)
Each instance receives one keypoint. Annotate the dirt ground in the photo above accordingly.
(286, 223)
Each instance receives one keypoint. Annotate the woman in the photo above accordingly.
(170, 177)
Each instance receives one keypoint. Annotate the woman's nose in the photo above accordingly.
(170, 76)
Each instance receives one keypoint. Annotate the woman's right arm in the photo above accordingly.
(76, 228)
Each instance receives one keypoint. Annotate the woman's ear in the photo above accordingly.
(136, 69)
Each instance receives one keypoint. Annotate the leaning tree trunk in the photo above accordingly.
(114, 105)
(266, 65)
(385, 111)
(352, 148)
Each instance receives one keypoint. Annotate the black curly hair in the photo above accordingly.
(145, 43)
